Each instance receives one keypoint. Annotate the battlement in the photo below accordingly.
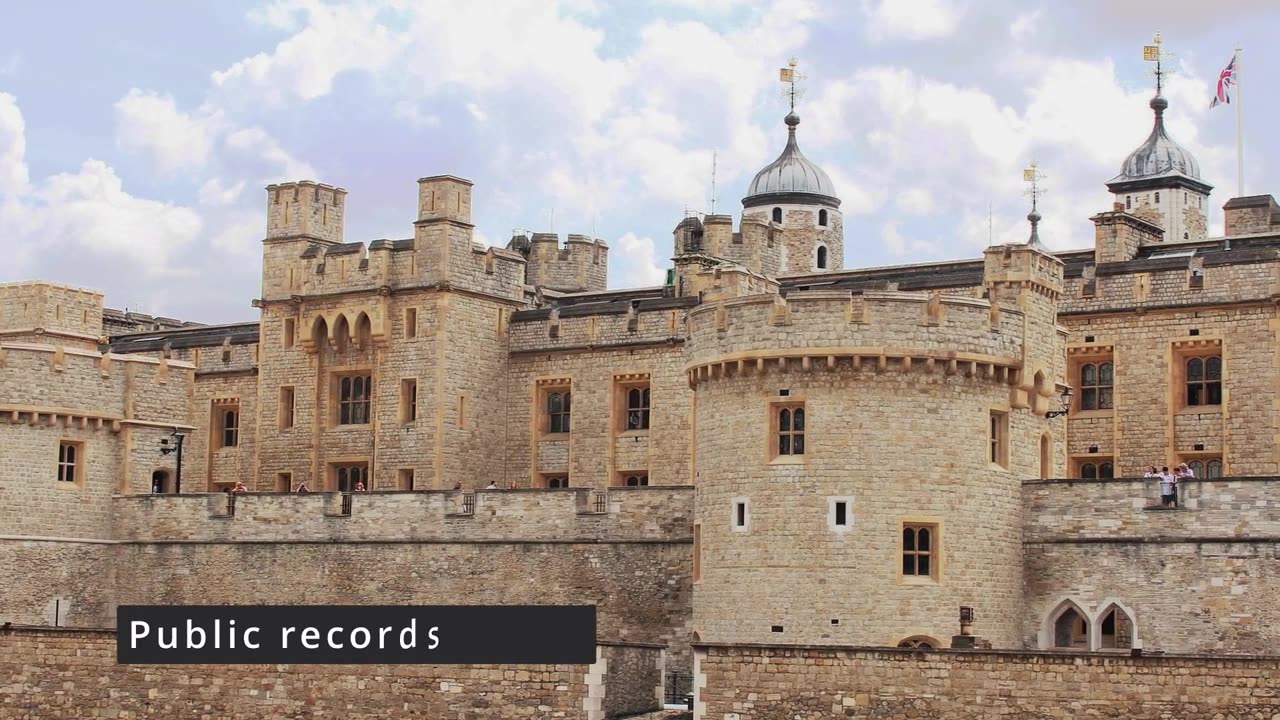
(305, 208)
(819, 328)
(70, 384)
(580, 265)
(600, 325)
(32, 310)
(1221, 509)
(648, 514)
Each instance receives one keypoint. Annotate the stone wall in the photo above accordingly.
(806, 683)
(1196, 579)
(633, 678)
(62, 673)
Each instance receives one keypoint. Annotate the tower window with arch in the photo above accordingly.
(918, 642)
(558, 411)
(355, 392)
(789, 424)
(919, 551)
(1071, 630)
(638, 408)
(1128, 202)
(822, 218)
(1206, 468)
(1096, 386)
(1204, 381)
(1097, 470)
(1116, 630)
(1157, 197)
(230, 427)
(822, 256)
(777, 214)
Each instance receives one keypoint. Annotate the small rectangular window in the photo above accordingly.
(404, 478)
(408, 400)
(286, 407)
(842, 514)
(284, 482)
(411, 323)
(998, 439)
(70, 461)
(290, 332)
(1203, 380)
(741, 514)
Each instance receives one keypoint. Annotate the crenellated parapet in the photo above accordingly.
(817, 330)
(599, 325)
(580, 265)
(42, 311)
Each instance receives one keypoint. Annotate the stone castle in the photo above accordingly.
(769, 458)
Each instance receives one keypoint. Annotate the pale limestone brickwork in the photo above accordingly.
(904, 373)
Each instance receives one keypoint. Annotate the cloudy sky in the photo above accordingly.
(136, 138)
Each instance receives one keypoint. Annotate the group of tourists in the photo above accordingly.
(1169, 481)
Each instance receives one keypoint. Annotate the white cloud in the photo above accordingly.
(1025, 24)
(91, 211)
(265, 155)
(240, 236)
(13, 148)
(335, 39)
(911, 19)
(476, 112)
(214, 193)
(635, 262)
(413, 115)
(171, 139)
(917, 201)
(899, 246)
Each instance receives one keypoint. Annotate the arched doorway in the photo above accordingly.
(1071, 630)
(160, 482)
(1116, 629)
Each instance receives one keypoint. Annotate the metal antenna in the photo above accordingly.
(714, 155)
(991, 227)
(791, 77)
(553, 219)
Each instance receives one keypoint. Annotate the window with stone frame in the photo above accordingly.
(633, 396)
(354, 392)
(1095, 469)
(408, 400)
(920, 543)
(998, 438)
(71, 462)
(227, 417)
(1206, 467)
(557, 408)
(555, 480)
(918, 642)
(348, 475)
(633, 479)
(284, 482)
(287, 396)
(777, 215)
(788, 425)
(404, 478)
(1097, 380)
(1203, 380)
(822, 218)
(1116, 630)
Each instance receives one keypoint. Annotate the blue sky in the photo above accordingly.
(135, 142)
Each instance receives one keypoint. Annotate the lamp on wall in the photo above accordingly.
(172, 444)
(1066, 404)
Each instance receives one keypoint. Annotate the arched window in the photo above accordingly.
(160, 481)
(822, 218)
(354, 394)
(1116, 630)
(1213, 469)
(1204, 380)
(230, 428)
(1128, 202)
(560, 481)
(1071, 630)
(1157, 198)
(1098, 471)
(1096, 381)
(791, 431)
(1046, 456)
(637, 480)
(777, 215)
(822, 256)
(1106, 471)
(919, 641)
(638, 409)
(348, 477)
(1089, 471)
(558, 411)
(917, 550)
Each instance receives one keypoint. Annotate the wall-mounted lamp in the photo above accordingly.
(1066, 404)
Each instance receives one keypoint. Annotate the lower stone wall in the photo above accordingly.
(743, 682)
(633, 677)
(49, 674)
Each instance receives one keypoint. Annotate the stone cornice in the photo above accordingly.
(1004, 370)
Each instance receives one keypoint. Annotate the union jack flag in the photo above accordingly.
(1226, 81)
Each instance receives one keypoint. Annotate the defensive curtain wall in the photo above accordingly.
(1201, 578)
(759, 682)
(899, 391)
(62, 673)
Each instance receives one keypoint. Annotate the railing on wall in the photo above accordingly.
(679, 689)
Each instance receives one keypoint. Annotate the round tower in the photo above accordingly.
(798, 201)
(1160, 182)
(859, 458)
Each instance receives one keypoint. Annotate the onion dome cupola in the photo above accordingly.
(1159, 158)
(792, 178)
(1160, 182)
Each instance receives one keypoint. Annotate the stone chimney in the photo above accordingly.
(1251, 215)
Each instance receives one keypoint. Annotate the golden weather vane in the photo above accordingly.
(791, 77)
(1157, 54)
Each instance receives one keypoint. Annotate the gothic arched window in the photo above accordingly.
(558, 411)
(822, 256)
(1096, 382)
(822, 218)
(777, 215)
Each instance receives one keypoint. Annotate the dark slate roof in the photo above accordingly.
(203, 336)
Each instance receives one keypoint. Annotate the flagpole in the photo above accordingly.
(1239, 129)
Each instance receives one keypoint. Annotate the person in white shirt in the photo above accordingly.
(493, 485)
(1168, 487)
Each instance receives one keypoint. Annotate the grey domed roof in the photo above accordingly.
(1159, 156)
(791, 173)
